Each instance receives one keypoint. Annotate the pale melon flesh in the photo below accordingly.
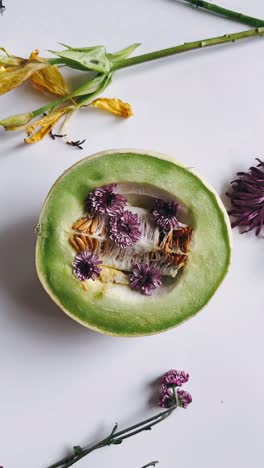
(115, 309)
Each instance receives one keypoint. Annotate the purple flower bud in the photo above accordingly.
(184, 398)
(247, 199)
(104, 200)
(124, 230)
(145, 278)
(175, 377)
(164, 214)
(85, 266)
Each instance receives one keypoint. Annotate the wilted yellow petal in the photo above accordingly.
(43, 126)
(50, 80)
(14, 76)
(16, 122)
(113, 105)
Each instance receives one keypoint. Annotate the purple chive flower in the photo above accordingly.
(145, 278)
(164, 214)
(167, 400)
(164, 389)
(184, 398)
(247, 198)
(85, 266)
(175, 377)
(104, 200)
(167, 396)
(124, 230)
(170, 395)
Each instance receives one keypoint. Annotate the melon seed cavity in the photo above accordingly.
(117, 241)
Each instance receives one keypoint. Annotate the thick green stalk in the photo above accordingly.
(188, 46)
(234, 15)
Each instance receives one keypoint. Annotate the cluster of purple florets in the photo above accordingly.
(124, 230)
(86, 266)
(145, 278)
(170, 393)
(123, 226)
(165, 214)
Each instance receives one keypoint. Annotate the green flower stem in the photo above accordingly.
(249, 20)
(50, 106)
(175, 396)
(188, 46)
(57, 102)
(114, 438)
(82, 100)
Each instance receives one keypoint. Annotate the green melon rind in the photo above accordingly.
(104, 311)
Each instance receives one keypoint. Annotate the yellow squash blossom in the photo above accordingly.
(49, 79)
(37, 130)
(42, 127)
(45, 77)
(12, 77)
(114, 105)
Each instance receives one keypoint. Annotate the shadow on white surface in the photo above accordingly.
(226, 201)
(154, 390)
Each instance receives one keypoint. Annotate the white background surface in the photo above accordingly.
(62, 384)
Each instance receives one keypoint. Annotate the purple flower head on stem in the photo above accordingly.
(86, 266)
(184, 398)
(167, 400)
(145, 278)
(167, 396)
(164, 214)
(247, 199)
(175, 377)
(164, 389)
(104, 200)
(124, 230)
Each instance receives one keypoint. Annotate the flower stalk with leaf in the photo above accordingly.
(100, 67)
(171, 397)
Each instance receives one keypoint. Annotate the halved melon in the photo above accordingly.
(113, 308)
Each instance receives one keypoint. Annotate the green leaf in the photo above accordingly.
(91, 86)
(64, 45)
(124, 53)
(86, 58)
(89, 95)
